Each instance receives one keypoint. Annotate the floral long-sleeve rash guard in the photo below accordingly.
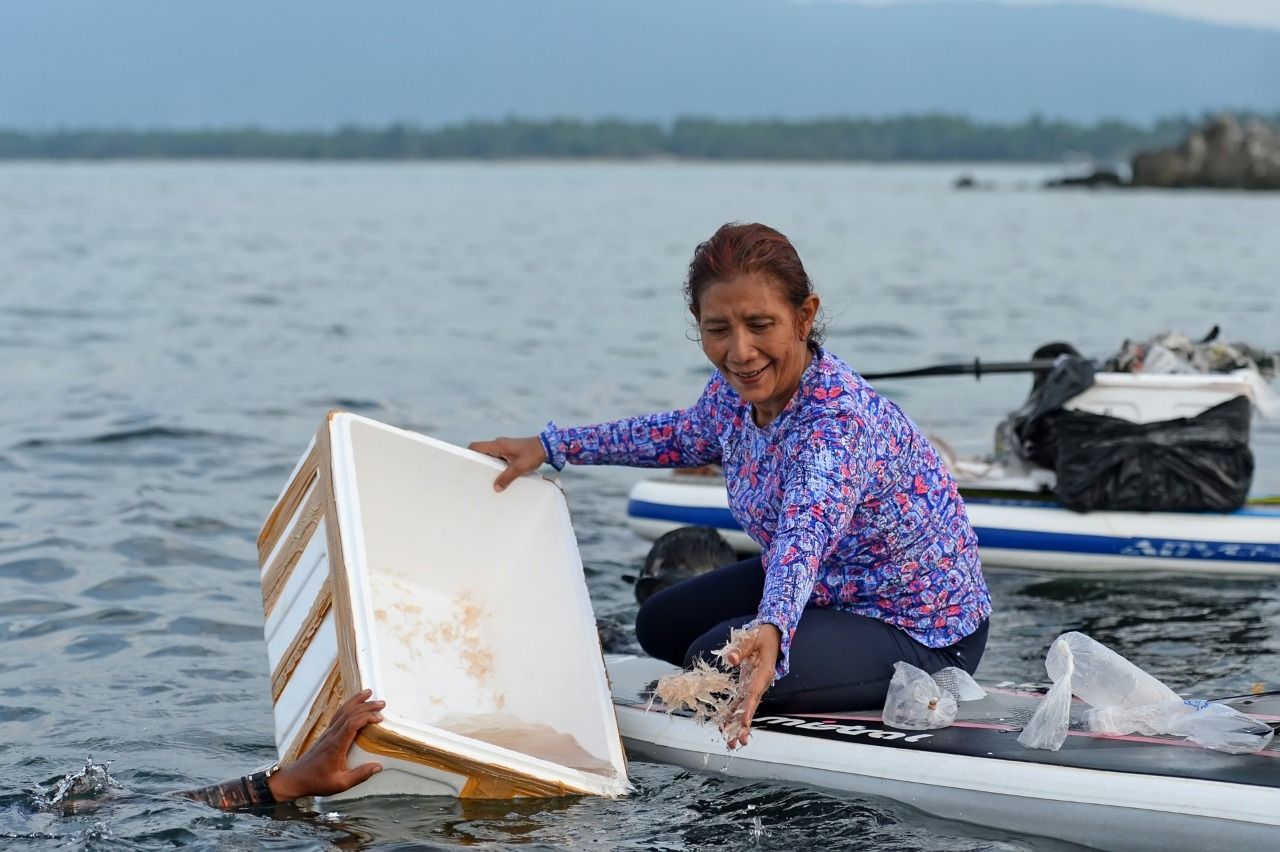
(851, 506)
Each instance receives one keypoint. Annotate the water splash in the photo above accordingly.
(85, 785)
(756, 829)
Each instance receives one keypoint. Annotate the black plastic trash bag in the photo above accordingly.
(1030, 430)
(1200, 463)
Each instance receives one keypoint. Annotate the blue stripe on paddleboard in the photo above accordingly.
(1265, 511)
(1003, 539)
(1162, 548)
(691, 516)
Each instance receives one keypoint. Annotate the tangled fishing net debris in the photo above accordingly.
(712, 693)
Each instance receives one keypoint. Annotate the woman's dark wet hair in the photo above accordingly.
(742, 249)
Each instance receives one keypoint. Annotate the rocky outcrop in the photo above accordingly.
(1221, 155)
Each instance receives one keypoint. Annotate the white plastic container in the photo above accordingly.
(1152, 397)
(390, 563)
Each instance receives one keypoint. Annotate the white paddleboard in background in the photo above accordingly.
(1020, 530)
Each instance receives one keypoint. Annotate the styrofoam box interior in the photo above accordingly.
(1148, 398)
(471, 610)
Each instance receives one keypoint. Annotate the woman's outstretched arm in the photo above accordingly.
(321, 771)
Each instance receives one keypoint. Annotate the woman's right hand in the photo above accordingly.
(522, 455)
(322, 770)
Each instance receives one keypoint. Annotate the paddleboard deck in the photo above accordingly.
(1128, 792)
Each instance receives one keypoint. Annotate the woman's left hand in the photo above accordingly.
(756, 654)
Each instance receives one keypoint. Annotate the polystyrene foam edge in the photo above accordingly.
(302, 459)
(483, 752)
(305, 683)
(300, 592)
(591, 638)
(351, 534)
(283, 539)
(398, 778)
(343, 420)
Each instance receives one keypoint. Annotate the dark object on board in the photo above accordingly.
(1050, 351)
(1030, 430)
(1200, 463)
(679, 555)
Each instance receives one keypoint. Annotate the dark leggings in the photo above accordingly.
(839, 660)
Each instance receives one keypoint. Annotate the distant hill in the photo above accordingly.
(320, 63)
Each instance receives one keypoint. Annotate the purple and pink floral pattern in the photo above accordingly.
(850, 504)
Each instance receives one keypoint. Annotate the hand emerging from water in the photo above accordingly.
(756, 656)
(522, 455)
(323, 771)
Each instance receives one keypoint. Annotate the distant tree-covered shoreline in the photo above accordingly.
(923, 138)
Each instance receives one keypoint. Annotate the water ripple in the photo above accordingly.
(142, 435)
(184, 651)
(33, 606)
(19, 714)
(38, 570)
(96, 645)
(345, 403)
(160, 552)
(113, 617)
(191, 626)
(50, 543)
(127, 588)
(873, 331)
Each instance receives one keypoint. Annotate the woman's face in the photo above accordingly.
(757, 339)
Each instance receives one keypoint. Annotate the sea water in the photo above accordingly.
(172, 334)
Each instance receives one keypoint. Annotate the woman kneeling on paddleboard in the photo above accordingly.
(868, 557)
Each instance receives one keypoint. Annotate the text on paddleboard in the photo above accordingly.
(847, 730)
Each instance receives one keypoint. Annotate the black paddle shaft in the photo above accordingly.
(977, 369)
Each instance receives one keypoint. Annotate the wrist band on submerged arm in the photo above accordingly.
(257, 789)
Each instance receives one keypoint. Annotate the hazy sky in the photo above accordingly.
(1255, 13)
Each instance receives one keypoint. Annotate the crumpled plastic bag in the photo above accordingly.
(918, 701)
(1204, 723)
(1174, 352)
(1127, 700)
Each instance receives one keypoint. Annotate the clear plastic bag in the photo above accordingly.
(1082, 666)
(1223, 728)
(1103, 678)
(1048, 727)
(1210, 725)
(959, 683)
(1127, 700)
(920, 702)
